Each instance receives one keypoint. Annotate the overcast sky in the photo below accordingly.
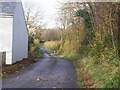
(48, 10)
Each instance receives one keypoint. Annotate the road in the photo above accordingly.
(49, 72)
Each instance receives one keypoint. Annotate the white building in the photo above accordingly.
(13, 32)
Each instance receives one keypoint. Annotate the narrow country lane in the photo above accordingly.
(49, 72)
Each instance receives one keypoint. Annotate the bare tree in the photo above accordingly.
(33, 16)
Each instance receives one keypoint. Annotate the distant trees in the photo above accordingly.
(51, 35)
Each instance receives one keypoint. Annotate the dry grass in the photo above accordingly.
(52, 45)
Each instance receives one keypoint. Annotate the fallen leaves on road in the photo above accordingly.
(39, 78)
(54, 87)
(9, 69)
(13, 82)
(18, 77)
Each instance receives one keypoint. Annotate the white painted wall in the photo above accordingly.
(6, 27)
(20, 35)
(14, 36)
(0, 59)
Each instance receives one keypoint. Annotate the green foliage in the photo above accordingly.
(113, 82)
(99, 57)
(102, 62)
(87, 21)
(104, 74)
(85, 15)
(37, 52)
(30, 42)
(34, 49)
(91, 44)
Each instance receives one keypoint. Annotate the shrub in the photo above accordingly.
(52, 45)
(34, 49)
(37, 52)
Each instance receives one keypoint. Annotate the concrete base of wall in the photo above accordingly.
(2, 58)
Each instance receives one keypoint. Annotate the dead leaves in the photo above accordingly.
(85, 77)
(39, 78)
(18, 77)
(10, 69)
(13, 82)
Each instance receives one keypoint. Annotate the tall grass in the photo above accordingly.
(52, 45)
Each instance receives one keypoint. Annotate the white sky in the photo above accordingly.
(48, 9)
